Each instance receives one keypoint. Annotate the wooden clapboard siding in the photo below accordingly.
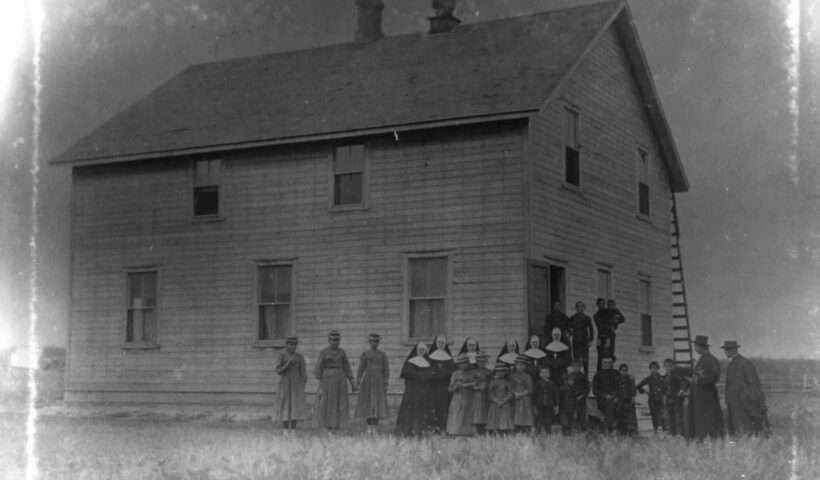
(599, 222)
(458, 191)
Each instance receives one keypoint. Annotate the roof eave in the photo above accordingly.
(625, 27)
(67, 158)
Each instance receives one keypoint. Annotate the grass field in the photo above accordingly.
(135, 444)
(132, 447)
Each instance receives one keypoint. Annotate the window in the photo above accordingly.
(275, 297)
(604, 283)
(572, 148)
(206, 187)
(643, 182)
(348, 175)
(427, 296)
(141, 322)
(645, 305)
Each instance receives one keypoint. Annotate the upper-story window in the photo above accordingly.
(348, 175)
(141, 316)
(643, 182)
(572, 147)
(206, 187)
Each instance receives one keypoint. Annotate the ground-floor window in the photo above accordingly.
(141, 316)
(274, 301)
(645, 305)
(427, 284)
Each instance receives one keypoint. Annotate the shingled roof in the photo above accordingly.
(477, 72)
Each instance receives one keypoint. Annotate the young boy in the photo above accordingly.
(675, 387)
(547, 400)
(579, 387)
(627, 418)
(655, 383)
(482, 377)
(522, 388)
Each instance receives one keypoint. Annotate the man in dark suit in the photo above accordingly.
(745, 402)
(705, 404)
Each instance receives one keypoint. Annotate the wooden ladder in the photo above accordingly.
(681, 338)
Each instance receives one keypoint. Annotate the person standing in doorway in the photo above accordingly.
(557, 319)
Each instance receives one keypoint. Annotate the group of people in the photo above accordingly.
(534, 388)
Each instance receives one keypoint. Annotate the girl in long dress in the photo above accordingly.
(481, 378)
(509, 353)
(442, 366)
(500, 394)
(292, 379)
(460, 414)
(558, 357)
(415, 412)
(373, 366)
(522, 387)
(333, 372)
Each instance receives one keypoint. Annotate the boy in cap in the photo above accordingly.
(547, 400)
(578, 384)
(675, 390)
(627, 418)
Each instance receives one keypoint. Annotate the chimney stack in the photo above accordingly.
(443, 21)
(370, 20)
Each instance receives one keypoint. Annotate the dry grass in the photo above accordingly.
(116, 447)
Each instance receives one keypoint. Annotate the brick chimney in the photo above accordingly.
(443, 21)
(370, 20)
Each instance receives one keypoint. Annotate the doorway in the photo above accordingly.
(546, 284)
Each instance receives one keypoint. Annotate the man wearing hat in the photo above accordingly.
(706, 412)
(745, 402)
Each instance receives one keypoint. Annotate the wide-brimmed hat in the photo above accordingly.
(334, 334)
(730, 345)
(292, 339)
(461, 358)
(521, 359)
(500, 368)
(374, 337)
(701, 340)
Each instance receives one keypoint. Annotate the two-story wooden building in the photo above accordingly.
(450, 182)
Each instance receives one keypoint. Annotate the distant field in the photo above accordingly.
(134, 446)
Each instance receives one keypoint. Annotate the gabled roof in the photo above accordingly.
(477, 72)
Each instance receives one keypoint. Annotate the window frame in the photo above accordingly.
(406, 294)
(218, 185)
(610, 270)
(648, 303)
(258, 265)
(365, 178)
(141, 344)
(568, 109)
(644, 169)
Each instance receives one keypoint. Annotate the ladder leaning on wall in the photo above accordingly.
(682, 347)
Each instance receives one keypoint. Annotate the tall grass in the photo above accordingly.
(114, 447)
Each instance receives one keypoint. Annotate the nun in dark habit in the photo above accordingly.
(558, 357)
(442, 366)
(415, 412)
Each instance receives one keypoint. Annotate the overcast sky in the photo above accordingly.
(723, 68)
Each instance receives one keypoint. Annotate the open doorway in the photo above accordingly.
(547, 284)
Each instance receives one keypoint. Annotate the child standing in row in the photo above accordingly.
(655, 382)
(627, 418)
(522, 387)
(481, 378)
(500, 395)
(460, 414)
(575, 404)
(372, 380)
(546, 400)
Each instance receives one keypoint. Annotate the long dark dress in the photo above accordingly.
(415, 412)
(291, 403)
(372, 400)
(438, 387)
(705, 404)
(333, 370)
